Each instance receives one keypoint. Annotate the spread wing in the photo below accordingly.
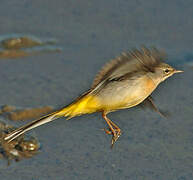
(149, 103)
(129, 63)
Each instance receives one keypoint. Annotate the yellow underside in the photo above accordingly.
(86, 105)
(90, 104)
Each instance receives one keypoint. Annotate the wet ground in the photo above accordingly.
(90, 33)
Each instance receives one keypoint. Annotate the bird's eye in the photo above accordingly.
(166, 71)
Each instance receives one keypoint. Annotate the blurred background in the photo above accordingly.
(88, 34)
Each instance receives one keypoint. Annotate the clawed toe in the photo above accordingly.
(108, 131)
(115, 138)
(116, 134)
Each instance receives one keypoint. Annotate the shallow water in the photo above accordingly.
(90, 33)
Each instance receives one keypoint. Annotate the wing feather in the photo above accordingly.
(129, 63)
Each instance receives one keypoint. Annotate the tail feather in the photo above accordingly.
(86, 104)
(16, 133)
(45, 119)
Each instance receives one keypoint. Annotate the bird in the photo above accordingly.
(126, 81)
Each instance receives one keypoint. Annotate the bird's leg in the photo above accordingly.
(114, 129)
(117, 129)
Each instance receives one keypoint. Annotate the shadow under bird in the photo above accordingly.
(124, 82)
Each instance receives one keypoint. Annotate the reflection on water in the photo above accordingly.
(22, 46)
(20, 114)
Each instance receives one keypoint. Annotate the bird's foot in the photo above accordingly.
(116, 134)
(115, 137)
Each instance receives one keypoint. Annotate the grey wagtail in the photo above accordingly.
(124, 82)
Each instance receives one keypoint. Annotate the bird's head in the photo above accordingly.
(163, 71)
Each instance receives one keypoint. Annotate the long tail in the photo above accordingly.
(11, 136)
(85, 105)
